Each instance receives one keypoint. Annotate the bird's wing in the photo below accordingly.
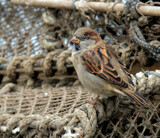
(99, 61)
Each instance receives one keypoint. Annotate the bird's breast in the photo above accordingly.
(92, 82)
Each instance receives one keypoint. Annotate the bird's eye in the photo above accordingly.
(84, 37)
(77, 47)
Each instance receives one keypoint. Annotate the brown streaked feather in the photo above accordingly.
(101, 60)
(135, 96)
(97, 61)
(123, 67)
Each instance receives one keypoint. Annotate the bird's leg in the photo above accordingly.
(94, 101)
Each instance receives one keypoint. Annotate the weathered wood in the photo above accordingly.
(97, 6)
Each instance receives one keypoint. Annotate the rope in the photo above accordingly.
(84, 120)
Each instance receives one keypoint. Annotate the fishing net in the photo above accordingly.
(40, 95)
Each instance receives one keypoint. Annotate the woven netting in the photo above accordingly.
(35, 48)
(40, 95)
(61, 112)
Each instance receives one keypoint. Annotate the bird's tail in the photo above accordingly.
(134, 96)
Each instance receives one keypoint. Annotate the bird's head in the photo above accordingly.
(83, 38)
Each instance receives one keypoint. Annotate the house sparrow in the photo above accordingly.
(98, 67)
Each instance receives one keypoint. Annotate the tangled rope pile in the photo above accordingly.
(122, 30)
(115, 114)
(35, 54)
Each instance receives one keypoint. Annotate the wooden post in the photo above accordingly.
(97, 6)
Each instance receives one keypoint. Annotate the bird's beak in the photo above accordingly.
(75, 40)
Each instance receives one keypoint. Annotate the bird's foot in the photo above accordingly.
(94, 101)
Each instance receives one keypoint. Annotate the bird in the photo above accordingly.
(99, 68)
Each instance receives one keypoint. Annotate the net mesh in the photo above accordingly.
(40, 95)
(57, 101)
(20, 30)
